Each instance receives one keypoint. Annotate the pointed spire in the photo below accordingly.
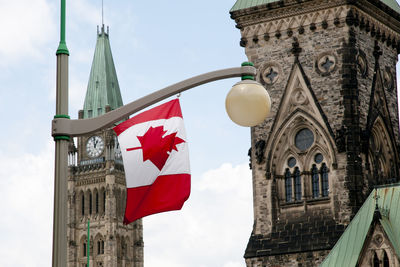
(103, 89)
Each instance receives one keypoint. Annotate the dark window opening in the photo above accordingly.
(376, 260)
(297, 184)
(385, 260)
(90, 203)
(315, 181)
(97, 202)
(288, 185)
(83, 205)
(325, 180)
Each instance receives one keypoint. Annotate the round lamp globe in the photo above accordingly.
(248, 103)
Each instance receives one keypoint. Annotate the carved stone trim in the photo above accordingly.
(288, 25)
(362, 63)
(325, 63)
(269, 73)
(388, 81)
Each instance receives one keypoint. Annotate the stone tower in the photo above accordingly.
(96, 184)
(333, 132)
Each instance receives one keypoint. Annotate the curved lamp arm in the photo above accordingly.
(67, 127)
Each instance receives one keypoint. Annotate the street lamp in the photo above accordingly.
(247, 104)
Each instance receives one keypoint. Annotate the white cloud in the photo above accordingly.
(213, 227)
(27, 26)
(26, 190)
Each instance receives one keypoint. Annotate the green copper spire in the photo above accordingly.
(103, 88)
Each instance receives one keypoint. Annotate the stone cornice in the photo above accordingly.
(275, 11)
(375, 10)
(351, 15)
(90, 180)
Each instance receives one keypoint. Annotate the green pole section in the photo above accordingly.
(62, 47)
(88, 242)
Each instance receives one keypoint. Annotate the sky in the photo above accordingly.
(154, 44)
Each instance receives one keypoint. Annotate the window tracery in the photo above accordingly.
(380, 155)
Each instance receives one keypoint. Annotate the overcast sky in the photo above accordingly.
(154, 44)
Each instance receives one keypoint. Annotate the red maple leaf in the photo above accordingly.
(157, 147)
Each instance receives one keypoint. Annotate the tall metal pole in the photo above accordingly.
(61, 145)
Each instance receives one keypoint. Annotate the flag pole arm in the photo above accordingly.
(67, 127)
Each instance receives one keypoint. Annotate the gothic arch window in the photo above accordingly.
(325, 180)
(82, 204)
(385, 259)
(319, 181)
(297, 184)
(82, 248)
(100, 247)
(315, 181)
(90, 203)
(375, 260)
(380, 154)
(97, 202)
(288, 185)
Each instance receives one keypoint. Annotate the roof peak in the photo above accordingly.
(103, 93)
(102, 31)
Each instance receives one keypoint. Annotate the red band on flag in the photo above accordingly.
(164, 111)
(168, 192)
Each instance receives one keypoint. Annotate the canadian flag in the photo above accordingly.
(156, 161)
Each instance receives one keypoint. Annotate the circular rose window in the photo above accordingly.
(304, 139)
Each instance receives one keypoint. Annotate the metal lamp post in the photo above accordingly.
(247, 104)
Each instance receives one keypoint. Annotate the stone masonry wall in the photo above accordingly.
(335, 43)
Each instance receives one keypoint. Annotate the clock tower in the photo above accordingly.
(96, 182)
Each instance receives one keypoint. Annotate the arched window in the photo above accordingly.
(97, 202)
(90, 203)
(385, 259)
(376, 260)
(83, 204)
(325, 180)
(315, 181)
(297, 184)
(84, 250)
(288, 185)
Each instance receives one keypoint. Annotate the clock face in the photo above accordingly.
(94, 146)
(117, 149)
